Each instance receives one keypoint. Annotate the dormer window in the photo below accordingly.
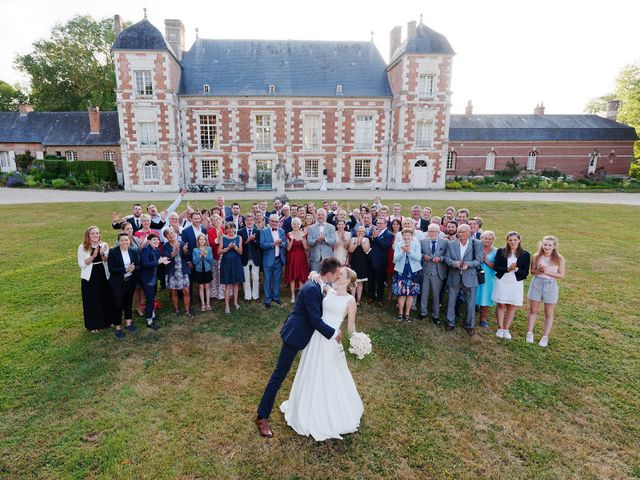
(426, 84)
(144, 85)
(272, 89)
(205, 88)
(339, 89)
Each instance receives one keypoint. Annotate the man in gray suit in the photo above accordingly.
(322, 236)
(463, 257)
(434, 271)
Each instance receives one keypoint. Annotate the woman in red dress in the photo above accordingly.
(297, 267)
(396, 226)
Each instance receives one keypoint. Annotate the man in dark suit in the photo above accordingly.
(290, 212)
(380, 239)
(133, 219)
(434, 272)
(419, 223)
(251, 258)
(122, 264)
(296, 332)
(191, 233)
(235, 217)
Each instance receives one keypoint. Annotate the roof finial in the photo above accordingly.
(371, 36)
(145, 12)
(197, 33)
(420, 18)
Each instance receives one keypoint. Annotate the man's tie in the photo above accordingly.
(433, 247)
(137, 224)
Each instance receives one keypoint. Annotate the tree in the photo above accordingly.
(74, 68)
(627, 90)
(10, 97)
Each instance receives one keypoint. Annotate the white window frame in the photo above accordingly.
(71, 155)
(451, 160)
(203, 128)
(209, 168)
(312, 168)
(531, 160)
(151, 170)
(365, 131)
(267, 132)
(148, 134)
(426, 85)
(206, 88)
(490, 161)
(5, 161)
(143, 83)
(109, 156)
(424, 133)
(312, 131)
(362, 167)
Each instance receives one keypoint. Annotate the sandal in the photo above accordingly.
(203, 308)
(237, 306)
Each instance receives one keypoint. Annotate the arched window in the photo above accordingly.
(420, 163)
(491, 161)
(612, 156)
(531, 160)
(150, 171)
(593, 161)
(451, 160)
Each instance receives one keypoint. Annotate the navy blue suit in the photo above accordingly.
(122, 289)
(378, 264)
(286, 224)
(250, 250)
(190, 238)
(229, 218)
(296, 332)
(148, 276)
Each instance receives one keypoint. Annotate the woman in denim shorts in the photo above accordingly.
(547, 266)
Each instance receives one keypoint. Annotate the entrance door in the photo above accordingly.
(263, 174)
(593, 162)
(422, 174)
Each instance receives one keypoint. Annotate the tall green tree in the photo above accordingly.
(10, 97)
(627, 90)
(74, 68)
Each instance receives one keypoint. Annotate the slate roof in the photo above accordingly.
(295, 67)
(58, 128)
(537, 128)
(425, 41)
(140, 36)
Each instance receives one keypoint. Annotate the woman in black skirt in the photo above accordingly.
(96, 296)
(359, 248)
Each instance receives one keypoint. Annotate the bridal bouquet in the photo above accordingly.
(360, 345)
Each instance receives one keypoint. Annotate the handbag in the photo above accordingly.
(479, 270)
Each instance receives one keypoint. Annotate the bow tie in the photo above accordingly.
(274, 229)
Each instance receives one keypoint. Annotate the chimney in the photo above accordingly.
(539, 110)
(25, 108)
(411, 29)
(117, 21)
(612, 109)
(94, 120)
(396, 34)
(468, 111)
(174, 33)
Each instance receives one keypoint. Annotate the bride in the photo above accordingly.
(324, 401)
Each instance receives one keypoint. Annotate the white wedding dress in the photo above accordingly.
(324, 400)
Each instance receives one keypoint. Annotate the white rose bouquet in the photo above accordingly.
(360, 344)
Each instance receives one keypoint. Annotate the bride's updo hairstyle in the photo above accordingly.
(353, 278)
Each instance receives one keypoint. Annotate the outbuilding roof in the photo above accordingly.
(537, 128)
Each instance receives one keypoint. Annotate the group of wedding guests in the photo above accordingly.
(421, 258)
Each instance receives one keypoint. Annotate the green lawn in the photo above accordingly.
(179, 403)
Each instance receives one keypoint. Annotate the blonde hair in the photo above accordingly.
(486, 233)
(144, 217)
(206, 240)
(556, 258)
(353, 279)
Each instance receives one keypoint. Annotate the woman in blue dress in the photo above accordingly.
(231, 271)
(484, 291)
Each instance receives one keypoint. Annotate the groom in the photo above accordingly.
(296, 333)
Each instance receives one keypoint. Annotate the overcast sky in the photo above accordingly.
(510, 55)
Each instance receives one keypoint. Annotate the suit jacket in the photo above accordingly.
(118, 225)
(324, 248)
(185, 257)
(116, 265)
(468, 277)
(285, 224)
(148, 272)
(189, 237)
(424, 224)
(400, 257)
(500, 265)
(250, 250)
(305, 318)
(226, 211)
(269, 249)
(229, 218)
(430, 268)
(379, 247)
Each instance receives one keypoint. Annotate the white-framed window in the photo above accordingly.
(490, 163)
(144, 84)
(109, 156)
(451, 160)
(362, 168)
(424, 133)
(208, 131)
(272, 89)
(5, 163)
(205, 88)
(365, 128)
(338, 89)
(426, 85)
(71, 155)
(263, 132)
(210, 168)
(148, 134)
(311, 167)
(150, 171)
(531, 160)
(312, 132)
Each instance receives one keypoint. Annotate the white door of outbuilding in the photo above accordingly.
(422, 174)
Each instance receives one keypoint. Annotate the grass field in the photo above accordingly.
(179, 403)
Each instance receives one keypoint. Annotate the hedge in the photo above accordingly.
(85, 171)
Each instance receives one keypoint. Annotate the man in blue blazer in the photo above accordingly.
(235, 217)
(381, 240)
(191, 233)
(273, 243)
(296, 332)
(251, 258)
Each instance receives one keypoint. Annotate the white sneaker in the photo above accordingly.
(529, 337)
(506, 335)
(500, 333)
(544, 341)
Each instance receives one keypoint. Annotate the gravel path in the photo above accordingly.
(10, 196)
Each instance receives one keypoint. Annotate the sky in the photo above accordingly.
(510, 55)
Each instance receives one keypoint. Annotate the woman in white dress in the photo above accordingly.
(324, 401)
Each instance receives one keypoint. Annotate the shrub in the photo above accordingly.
(634, 169)
(454, 185)
(552, 173)
(24, 161)
(505, 186)
(59, 183)
(467, 184)
(89, 171)
(15, 180)
(511, 170)
(30, 181)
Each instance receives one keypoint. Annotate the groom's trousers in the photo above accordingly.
(287, 354)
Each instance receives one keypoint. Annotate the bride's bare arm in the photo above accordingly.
(352, 309)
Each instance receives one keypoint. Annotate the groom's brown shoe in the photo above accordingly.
(263, 427)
